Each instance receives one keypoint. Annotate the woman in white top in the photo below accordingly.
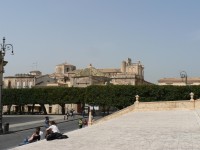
(52, 132)
(52, 128)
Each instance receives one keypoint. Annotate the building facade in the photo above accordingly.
(21, 80)
(63, 74)
(34, 78)
(179, 81)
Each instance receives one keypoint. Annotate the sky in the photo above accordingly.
(163, 34)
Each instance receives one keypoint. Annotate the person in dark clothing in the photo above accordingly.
(46, 122)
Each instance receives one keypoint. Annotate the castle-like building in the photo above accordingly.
(128, 74)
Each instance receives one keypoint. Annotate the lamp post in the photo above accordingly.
(183, 74)
(4, 48)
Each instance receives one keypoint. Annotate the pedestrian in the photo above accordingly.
(83, 113)
(72, 112)
(67, 115)
(46, 122)
(80, 123)
(85, 122)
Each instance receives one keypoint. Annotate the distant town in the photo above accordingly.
(68, 76)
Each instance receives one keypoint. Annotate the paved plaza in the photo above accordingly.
(150, 130)
(23, 122)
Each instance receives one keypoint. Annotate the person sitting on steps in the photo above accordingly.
(52, 132)
(34, 137)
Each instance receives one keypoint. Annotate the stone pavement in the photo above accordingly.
(149, 130)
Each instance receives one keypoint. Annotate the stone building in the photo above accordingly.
(128, 74)
(89, 76)
(21, 80)
(62, 74)
(179, 81)
(34, 78)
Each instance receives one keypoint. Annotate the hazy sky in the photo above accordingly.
(163, 34)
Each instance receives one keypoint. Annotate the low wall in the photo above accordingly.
(164, 105)
(154, 106)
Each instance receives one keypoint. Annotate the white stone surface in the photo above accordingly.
(150, 130)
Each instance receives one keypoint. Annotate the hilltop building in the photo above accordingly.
(129, 74)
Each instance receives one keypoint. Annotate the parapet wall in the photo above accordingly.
(154, 106)
(167, 105)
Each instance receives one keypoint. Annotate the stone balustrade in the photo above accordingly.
(156, 106)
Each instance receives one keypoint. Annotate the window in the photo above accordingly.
(18, 85)
(9, 84)
(66, 69)
(50, 110)
(30, 84)
(24, 84)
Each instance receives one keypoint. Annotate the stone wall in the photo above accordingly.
(165, 105)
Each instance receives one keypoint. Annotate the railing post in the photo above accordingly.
(137, 98)
(191, 96)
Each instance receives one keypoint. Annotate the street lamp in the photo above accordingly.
(4, 48)
(183, 74)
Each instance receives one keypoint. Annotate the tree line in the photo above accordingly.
(117, 96)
